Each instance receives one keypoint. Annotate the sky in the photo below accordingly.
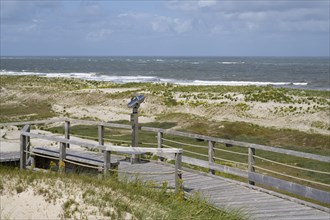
(164, 28)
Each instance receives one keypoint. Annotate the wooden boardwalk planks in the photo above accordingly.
(9, 156)
(220, 192)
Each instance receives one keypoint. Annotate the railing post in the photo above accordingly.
(178, 173)
(211, 155)
(251, 162)
(67, 132)
(62, 156)
(160, 143)
(33, 162)
(101, 135)
(28, 143)
(23, 151)
(107, 162)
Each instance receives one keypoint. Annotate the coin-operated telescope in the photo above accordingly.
(135, 104)
(136, 101)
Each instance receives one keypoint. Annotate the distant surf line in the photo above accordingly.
(151, 79)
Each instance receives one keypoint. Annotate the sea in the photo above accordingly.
(292, 72)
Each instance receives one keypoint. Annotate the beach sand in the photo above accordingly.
(110, 104)
(302, 112)
(269, 114)
(52, 199)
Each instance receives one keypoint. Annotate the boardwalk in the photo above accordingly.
(229, 194)
(9, 156)
(220, 192)
(224, 193)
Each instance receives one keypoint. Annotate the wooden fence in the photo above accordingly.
(64, 143)
(168, 138)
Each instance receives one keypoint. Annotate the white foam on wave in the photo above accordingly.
(300, 84)
(23, 73)
(238, 83)
(232, 62)
(152, 79)
(128, 79)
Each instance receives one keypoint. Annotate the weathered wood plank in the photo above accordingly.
(158, 179)
(127, 150)
(105, 124)
(220, 192)
(211, 187)
(213, 166)
(304, 191)
(67, 131)
(10, 156)
(23, 143)
(193, 178)
(287, 210)
(91, 158)
(318, 217)
(298, 214)
(202, 184)
(183, 134)
(211, 153)
(241, 144)
(48, 121)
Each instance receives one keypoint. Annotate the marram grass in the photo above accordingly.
(108, 198)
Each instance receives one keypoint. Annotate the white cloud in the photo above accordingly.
(134, 15)
(167, 24)
(206, 3)
(255, 15)
(99, 35)
(96, 21)
(182, 26)
(191, 5)
(161, 24)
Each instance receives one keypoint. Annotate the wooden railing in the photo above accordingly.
(250, 174)
(207, 156)
(64, 143)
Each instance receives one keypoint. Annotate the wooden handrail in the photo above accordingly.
(185, 134)
(48, 121)
(129, 150)
(209, 164)
(240, 144)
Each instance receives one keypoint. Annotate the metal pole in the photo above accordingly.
(135, 128)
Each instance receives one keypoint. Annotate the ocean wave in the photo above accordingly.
(152, 79)
(22, 73)
(231, 62)
(240, 83)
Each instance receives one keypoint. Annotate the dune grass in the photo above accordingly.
(84, 196)
(172, 96)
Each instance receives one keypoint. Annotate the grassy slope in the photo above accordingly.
(242, 131)
(85, 196)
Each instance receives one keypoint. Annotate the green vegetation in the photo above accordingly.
(26, 111)
(289, 139)
(32, 98)
(84, 196)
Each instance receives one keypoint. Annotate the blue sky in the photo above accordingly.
(165, 28)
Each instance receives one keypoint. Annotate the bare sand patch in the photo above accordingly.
(28, 205)
(110, 104)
